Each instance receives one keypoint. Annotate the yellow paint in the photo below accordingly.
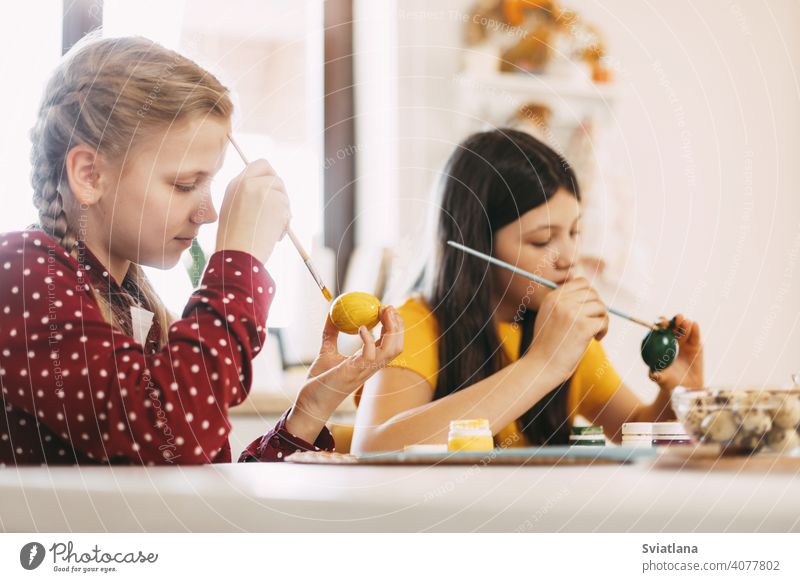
(473, 435)
(473, 443)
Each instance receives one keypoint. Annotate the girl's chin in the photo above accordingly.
(165, 259)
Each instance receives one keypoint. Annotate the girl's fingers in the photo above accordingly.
(684, 328)
(375, 354)
(368, 352)
(330, 335)
(696, 333)
(680, 323)
(381, 317)
(260, 167)
(385, 317)
(575, 284)
(602, 329)
(582, 295)
(389, 322)
(687, 332)
(594, 308)
(394, 323)
(393, 338)
(693, 335)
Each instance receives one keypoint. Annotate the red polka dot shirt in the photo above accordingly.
(77, 390)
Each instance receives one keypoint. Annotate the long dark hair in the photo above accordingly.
(490, 180)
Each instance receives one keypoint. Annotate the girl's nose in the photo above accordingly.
(564, 261)
(566, 256)
(205, 212)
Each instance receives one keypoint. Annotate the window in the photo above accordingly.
(291, 106)
(270, 55)
(26, 61)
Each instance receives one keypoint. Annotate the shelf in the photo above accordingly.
(492, 98)
(544, 86)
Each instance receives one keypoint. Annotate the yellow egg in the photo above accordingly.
(352, 310)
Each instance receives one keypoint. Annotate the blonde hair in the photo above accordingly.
(108, 94)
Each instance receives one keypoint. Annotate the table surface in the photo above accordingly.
(292, 497)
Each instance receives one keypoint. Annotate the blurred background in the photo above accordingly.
(682, 120)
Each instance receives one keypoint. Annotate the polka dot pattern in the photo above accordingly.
(78, 391)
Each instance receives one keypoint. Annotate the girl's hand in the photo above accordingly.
(349, 373)
(687, 369)
(255, 212)
(568, 318)
(332, 376)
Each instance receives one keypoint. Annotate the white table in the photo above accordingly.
(286, 497)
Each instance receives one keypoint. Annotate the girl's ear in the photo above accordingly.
(82, 165)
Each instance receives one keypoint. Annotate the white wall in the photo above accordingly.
(710, 136)
(711, 127)
(26, 61)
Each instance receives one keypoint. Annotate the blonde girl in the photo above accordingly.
(92, 367)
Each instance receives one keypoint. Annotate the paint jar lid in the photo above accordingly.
(586, 430)
(472, 423)
(637, 428)
(669, 429)
(472, 426)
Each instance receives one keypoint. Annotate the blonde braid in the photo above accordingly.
(47, 164)
(52, 218)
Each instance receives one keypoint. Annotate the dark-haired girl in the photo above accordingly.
(481, 342)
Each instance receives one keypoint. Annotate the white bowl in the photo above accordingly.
(741, 420)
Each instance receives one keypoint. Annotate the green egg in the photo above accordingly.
(660, 347)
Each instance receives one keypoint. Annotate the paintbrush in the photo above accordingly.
(293, 237)
(538, 279)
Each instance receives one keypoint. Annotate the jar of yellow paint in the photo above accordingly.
(470, 436)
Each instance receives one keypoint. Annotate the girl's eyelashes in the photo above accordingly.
(543, 244)
(193, 186)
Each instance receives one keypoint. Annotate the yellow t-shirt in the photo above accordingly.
(594, 381)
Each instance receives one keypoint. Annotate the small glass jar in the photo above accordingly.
(470, 436)
(666, 434)
(587, 436)
(637, 435)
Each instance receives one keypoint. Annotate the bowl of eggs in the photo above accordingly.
(741, 420)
